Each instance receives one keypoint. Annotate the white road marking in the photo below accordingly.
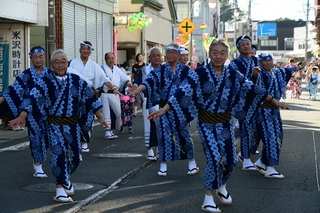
(16, 147)
(100, 194)
(316, 160)
(96, 196)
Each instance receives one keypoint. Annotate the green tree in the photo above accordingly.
(229, 11)
(284, 19)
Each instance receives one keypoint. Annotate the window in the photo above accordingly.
(230, 40)
(268, 42)
(182, 11)
(289, 44)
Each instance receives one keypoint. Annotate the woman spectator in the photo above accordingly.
(135, 71)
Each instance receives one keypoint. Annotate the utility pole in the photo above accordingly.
(223, 8)
(249, 20)
(190, 38)
(235, 23)
(306, 43)
(50, 32)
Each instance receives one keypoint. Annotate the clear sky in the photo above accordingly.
(274, 9)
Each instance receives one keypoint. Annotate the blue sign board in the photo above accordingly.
(4, 67)
(267, 29)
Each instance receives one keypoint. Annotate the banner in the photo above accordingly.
(4, 67)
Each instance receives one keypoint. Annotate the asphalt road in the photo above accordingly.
(129, 183)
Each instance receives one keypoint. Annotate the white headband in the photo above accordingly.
(84, 44)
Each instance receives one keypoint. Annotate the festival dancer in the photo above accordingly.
(270, 131)
(175, 141)
(151, 128)
(67, 103)
(248, 65)
(111, 101)
(92, 72)
(213, 93)
(15, 95)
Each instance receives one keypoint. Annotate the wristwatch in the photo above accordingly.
(113, 88)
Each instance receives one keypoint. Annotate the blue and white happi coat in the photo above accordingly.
(204, 90)
(248, 131)
(270, 123)
(67, 98)
(14, 96)
(174, 142)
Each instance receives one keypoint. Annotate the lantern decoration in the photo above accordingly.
(206, 41)
(315, 52)
(224, 38)
(203, 26)
(233, 48)
(137, 22)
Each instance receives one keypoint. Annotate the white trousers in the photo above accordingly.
(146, 113)
(111, 101)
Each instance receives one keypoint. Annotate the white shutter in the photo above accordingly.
(99, 48)
(92, 31)
(68, 29)
(80, 27)
(107, 33)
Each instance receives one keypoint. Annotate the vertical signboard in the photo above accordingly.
(4, 61)
(4, 67)
(16, 52)
(254, 33)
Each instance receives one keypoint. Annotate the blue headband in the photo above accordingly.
(38, 50)
(84, 44)
(254, 49)
(243, 39)
(265, 56)
(172, 48)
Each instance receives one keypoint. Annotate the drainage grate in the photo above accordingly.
(51, 187)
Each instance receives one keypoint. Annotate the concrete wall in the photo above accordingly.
(125, 6)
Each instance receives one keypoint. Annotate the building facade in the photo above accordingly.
(157, 34)
(16, 18)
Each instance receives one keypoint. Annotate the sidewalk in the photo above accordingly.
(8, 135)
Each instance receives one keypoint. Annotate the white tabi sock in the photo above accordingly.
(163, 167)
(208, 201)
(223, 190)
(60, 191)
(226, 199)
(108, 133)
(84, 145)
(247, 162)
(192, 164)
(150, 152)
(38, 169)
(270, 170)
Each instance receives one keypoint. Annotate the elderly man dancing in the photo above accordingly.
(67, 104)
(20, 90)
(213, 93)
(175, 141)
(268, 116)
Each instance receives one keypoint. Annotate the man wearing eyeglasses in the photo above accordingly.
(13, 98)
(67, 104)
